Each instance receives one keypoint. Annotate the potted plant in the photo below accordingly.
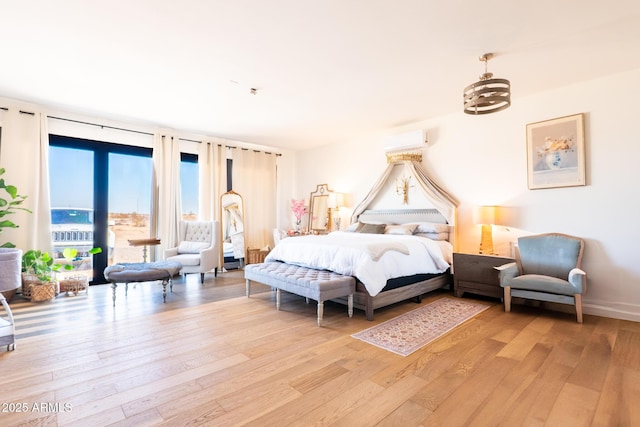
(37, 276)
(10, 257)
(73, 283)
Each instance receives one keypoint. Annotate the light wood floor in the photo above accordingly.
(211, 356)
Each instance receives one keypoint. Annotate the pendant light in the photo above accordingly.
(488, 95)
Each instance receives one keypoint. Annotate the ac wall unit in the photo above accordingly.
(405, 141)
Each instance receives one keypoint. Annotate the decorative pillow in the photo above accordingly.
(356, 225)
(371, 228)
(430, 227)
(403, 229)
(187, 247)
(434, 236)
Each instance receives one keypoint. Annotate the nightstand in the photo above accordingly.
(475, 274)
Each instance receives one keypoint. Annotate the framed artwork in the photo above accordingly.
(555, 153)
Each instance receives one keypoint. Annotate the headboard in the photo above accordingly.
(402, 216)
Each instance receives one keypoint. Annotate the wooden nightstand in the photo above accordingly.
(474, 273)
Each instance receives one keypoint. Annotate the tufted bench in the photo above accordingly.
(142, 272)
(320, 285)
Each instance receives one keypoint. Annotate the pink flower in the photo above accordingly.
(298, 209)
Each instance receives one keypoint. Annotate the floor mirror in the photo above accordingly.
(232, 233)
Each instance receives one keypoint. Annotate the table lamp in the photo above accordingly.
(336, 201)
(487, 216)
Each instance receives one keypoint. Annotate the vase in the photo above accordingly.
(557, 159)
(10, 267)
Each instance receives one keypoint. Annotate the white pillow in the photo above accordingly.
(434, 236)
(431, 227)
(402, 229)
(187, 247)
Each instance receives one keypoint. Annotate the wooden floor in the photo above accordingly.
(211, 356)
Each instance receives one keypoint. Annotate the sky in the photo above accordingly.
(71, 181)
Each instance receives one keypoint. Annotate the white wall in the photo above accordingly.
(481, 160)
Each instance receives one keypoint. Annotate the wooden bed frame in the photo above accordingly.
(362, 300)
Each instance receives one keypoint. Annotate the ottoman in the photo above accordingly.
(142, 272)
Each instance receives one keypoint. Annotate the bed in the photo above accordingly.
(395, 255)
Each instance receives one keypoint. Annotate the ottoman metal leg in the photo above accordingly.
(248, 288)
(277, 298)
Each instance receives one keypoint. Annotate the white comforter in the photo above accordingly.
(371, 258)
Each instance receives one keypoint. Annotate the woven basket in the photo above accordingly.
(27, 281)
(46, 291)
(256, 256)
(74, 284)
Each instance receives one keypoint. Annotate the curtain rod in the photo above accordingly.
(143, 133)
(135, 131)
(100, 126)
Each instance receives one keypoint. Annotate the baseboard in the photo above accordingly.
(621, 311)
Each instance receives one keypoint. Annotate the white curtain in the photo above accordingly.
(167, 201)
(212, 179)
(25, 156)
(254, 178)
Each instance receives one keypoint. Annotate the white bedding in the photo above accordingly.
(371, 258)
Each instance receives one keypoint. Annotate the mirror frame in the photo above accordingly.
(240, 201)
(322, 190)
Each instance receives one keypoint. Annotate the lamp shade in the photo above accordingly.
(487, 215)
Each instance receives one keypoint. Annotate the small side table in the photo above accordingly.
(144, 242)
(475, 274)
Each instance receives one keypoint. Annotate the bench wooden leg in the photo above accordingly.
(277, 298)
(320, 312)
(350, 305)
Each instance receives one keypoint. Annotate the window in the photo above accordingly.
(189, 186)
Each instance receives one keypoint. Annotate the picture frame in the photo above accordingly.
(555, 153)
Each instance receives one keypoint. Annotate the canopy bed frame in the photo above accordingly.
(431, 205)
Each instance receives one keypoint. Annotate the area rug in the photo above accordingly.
(408, 332)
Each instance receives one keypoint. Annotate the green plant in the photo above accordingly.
(9, 206)
(73, 261)
(38, 263)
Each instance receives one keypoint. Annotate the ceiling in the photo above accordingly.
(324, 71)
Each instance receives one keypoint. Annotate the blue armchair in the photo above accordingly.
(547, 268)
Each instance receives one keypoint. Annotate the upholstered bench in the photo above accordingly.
(319, 285)
(142, 272)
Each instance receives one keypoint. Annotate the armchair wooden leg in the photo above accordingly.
(507, 299)
(201, 277)
(578, 298)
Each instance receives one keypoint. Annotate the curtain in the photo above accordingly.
(254, 178)
(167, 202)
(443, 201)
(25, 156)
(362, 206)
(212, 179)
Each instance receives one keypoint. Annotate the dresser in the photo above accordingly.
(474, 273)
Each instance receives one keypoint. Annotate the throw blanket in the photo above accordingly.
(371, 258)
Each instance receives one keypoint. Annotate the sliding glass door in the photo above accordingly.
(100, 197)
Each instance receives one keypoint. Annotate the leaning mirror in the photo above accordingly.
(319, 209)
(232, 233)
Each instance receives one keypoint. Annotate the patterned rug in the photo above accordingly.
(408, 332)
